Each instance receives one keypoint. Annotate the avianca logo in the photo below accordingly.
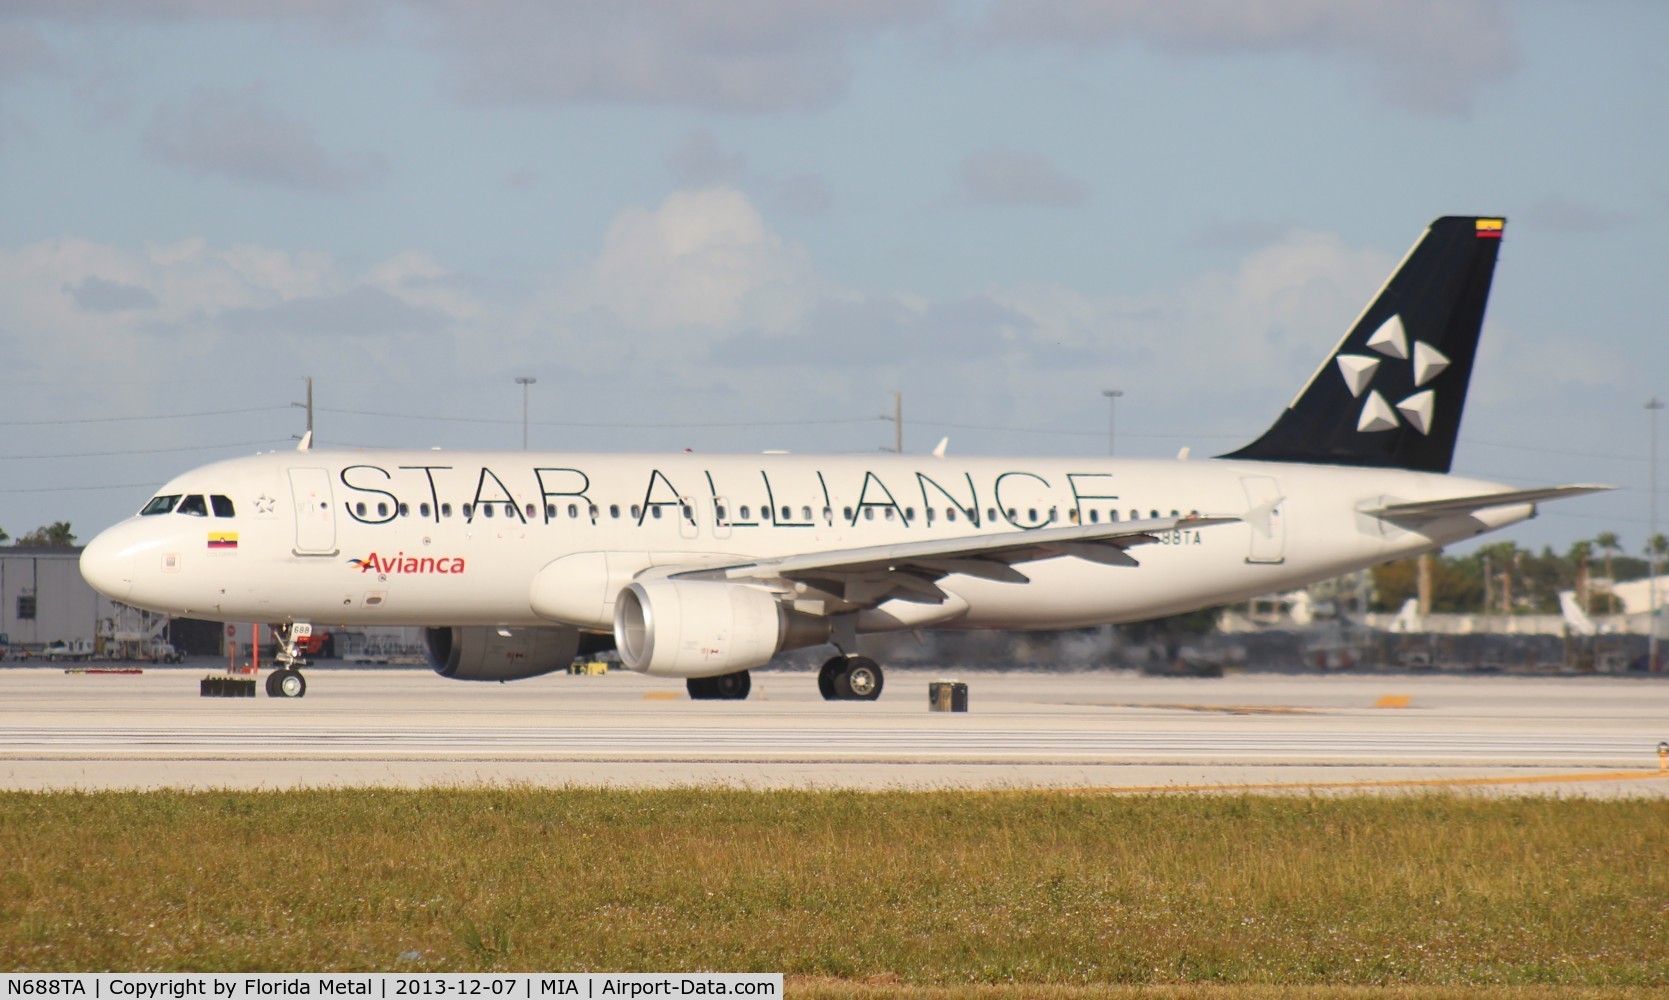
(399, 562)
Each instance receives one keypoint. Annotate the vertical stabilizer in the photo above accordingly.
(1392, 392)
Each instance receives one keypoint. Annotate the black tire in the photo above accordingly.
(826, 678)
(725, 687)
(861, 680)
(289, 683)
(732, 687)
(272, 685)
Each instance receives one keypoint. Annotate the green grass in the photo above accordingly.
(851, 894)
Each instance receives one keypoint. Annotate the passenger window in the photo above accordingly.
(591, 511)
(950, 513)
(909, 514)
(382, 510)
(1173, 513)
(828, 514)
(805, 513)
(1094, 516)
(423, 509)
(655, 512)
(719, 510)
(1011, 514)
(487, 509)
(1153, 514)
(1112, 515)
(222, 505)
(465, 510)
(405, 510)
(573, 510)
(890, 513)
(744, 512)
(1031, 515)
(194, 506)
(765, 512)
(1072, 515)
(846, 513)
(869, 513)
(635, 512)
(991, 514)
(160, 505)
(614, 510)
(550, 512)
(688, 512)
(929, 516)
(445, 510)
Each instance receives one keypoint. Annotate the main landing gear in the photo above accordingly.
(850, 678)
(727, 687)
(286, 681)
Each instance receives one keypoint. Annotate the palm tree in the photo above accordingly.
(1608, 543)
(1579, 556)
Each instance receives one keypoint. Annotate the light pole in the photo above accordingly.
(1652, 406)
(524, 381)
(1112, 414)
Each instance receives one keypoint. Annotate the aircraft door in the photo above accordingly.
(722, 513)
(1265, 515)
(686, 518)
(315, 517)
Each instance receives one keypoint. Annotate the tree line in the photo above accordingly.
(57, 535)
(1505, 579)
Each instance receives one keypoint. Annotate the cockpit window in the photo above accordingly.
(222, 505)
(194, 506)
(160, 505)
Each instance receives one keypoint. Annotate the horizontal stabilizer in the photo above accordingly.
(1421, 510)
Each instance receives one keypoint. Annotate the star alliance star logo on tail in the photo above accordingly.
(1391, 341)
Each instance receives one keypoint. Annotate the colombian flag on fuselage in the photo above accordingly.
(1490, 229)
(223, 539)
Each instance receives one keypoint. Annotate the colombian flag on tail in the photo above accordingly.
(1490, 229)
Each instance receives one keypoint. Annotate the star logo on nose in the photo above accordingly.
(264, 504)
(1391, 341)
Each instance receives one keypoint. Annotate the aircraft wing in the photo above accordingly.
(1425, 510)
(908, 570)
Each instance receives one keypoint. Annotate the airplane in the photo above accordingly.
(704, 567)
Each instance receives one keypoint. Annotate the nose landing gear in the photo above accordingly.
(286, 681)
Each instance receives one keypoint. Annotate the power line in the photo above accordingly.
(139, 451)
(123, 420)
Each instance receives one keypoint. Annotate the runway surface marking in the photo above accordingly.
(1282, 786)
(913, 743)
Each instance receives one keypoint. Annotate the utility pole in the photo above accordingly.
(1652, 406)
(308, 405)
(897, 419)
(524, 381)
(1112, 413)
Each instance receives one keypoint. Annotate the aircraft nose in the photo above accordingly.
(108, 560)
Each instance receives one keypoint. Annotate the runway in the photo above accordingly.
(1084, 732)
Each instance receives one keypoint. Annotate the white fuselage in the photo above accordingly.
(459, 538)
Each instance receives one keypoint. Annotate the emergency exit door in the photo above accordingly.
(315, 516)
(1265, 515)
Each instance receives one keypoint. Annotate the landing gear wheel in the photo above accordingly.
(725, 687)
(286, 683)
(861, 681)
(826, 677)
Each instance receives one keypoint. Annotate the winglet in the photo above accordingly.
(306, 442)
(939, 452)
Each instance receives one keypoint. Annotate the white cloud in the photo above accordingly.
(702, 259)
(1429, 55)
(243, 137)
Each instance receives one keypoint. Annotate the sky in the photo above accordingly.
(744, 226)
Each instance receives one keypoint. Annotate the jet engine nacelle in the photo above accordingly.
(488, 654)
(698, 628)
